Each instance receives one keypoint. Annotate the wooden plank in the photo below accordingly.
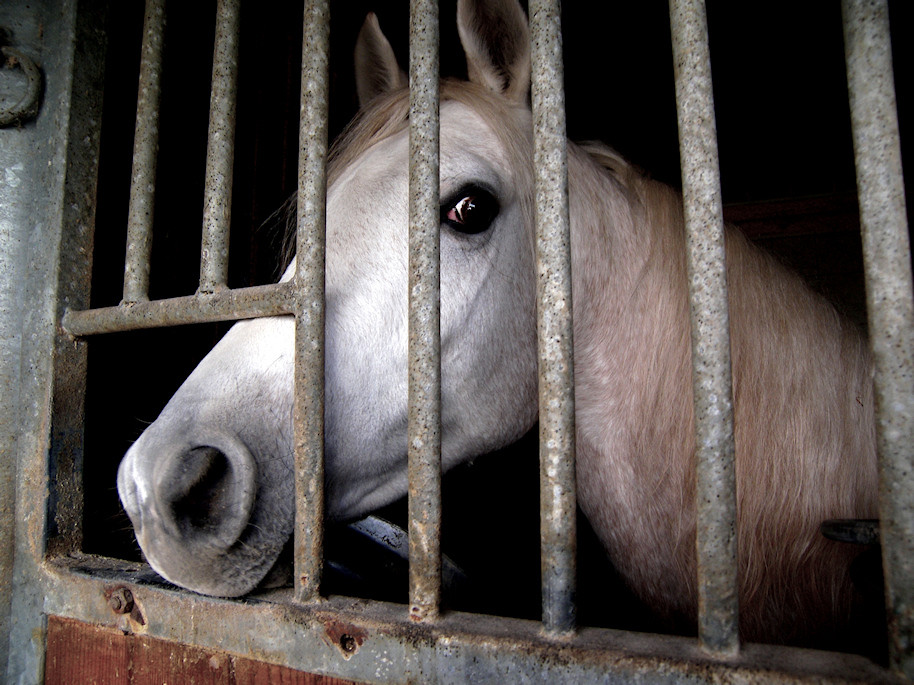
(96, 655)
(80, 653)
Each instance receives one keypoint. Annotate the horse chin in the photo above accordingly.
(199, 516)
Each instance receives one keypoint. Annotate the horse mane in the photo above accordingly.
(619, 168)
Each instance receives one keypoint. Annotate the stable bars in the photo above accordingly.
(558, 499)
(424, 387)
(213, 301)
(220, 150)
(889, 304)
(718, 610)
(889, 295)
(145, 149)
(308, 411)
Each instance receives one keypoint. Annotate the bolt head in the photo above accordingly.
(121, 601)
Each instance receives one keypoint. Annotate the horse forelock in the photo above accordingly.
(388, 115)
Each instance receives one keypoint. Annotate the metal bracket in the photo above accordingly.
(27, 107)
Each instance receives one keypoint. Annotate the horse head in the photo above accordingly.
(209, 484)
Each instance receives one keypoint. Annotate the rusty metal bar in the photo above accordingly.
(309, 321)
(457, 648)
(244, 303)
(716, 539)
(555, 323)
(145, 150)
(424, 421)
(220, 151)
(890, 308)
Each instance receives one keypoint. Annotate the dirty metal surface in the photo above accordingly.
(890, 307)
(241, 303)
(145, 154)
(555, 322)
(424, 385)
(14, 113)
(220, 149)
(378, 642)
(718, 593)
(309, 286)
(49, 164)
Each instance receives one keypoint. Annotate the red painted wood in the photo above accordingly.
(97, 655)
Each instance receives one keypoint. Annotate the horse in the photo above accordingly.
(208, 485)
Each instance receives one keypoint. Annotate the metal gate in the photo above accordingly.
(47, 326)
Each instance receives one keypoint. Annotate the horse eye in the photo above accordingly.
(472, 211)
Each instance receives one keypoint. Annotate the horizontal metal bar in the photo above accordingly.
(558, 488)
(369, 641)
(718, 582)
(220, 150)
(890, 307)
(228, 305)
(424, 419)
(145, 152)
(309, 324)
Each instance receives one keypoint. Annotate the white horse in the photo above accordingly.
(208, 485)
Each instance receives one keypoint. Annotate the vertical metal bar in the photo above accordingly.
(890, 308)
(145, 149)
(74, 277)
(47, 217)
(718, 582)
(555, 323)
(220, 150)
(309, 322)
(424, 422)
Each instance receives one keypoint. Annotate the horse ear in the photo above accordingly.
(496, 39)
(376, 68)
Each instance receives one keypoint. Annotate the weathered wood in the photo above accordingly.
(80, 652)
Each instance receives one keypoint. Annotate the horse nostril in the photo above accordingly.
(204, 493)
(208, 483)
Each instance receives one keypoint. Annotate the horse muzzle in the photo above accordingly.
(192, 504)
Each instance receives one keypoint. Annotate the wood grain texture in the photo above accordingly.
(89, 654)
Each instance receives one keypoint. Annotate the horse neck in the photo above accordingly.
(632, 375)
(627, 242)
(630, 311)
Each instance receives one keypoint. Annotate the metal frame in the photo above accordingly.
(887, 256)
(718, 584)
(386, 642)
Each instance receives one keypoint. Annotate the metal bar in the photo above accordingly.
(366, 641)
(424, 421)
(890, 308)
(555, 322)
(145, 150)
(247, 303)
(309, 322)
(46, 235)
(74, 279)
(220, 151)
(716, 539)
